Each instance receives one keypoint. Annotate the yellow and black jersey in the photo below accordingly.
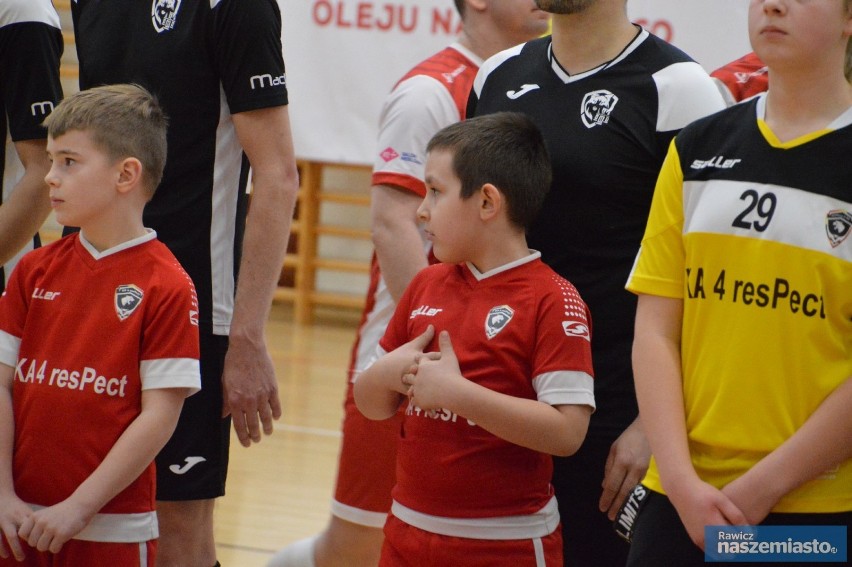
(754, 236)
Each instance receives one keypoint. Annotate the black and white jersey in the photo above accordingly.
(30, 48)
(607, 130)
(203, 60)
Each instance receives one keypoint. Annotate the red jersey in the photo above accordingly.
(87, 332)
(521, 330)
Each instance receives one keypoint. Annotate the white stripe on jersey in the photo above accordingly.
(10, 346)
(17, 11)
(492, 63)
(226, 178)
(774, 213)
(684, 81)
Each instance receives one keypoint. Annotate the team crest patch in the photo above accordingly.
(497, 319)
(596, 108)
(577, 329)
(164, 14)
(127, 299)
(838, 225)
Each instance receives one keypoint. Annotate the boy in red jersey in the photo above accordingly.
(512, 386)
(84, 412)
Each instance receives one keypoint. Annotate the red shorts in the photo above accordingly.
(407, 546)
(76, 553)
(366, 471)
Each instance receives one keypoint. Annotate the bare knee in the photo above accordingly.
(186, 534)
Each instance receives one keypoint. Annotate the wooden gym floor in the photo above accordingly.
(279, 490)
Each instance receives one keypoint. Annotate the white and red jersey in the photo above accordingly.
(87, 332)
(521, 330)
(431, 96)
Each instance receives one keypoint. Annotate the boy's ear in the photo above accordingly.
(129, 174)
(491, 201)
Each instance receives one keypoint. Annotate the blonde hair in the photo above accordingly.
(122, 120)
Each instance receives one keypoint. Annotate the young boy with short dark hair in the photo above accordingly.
(512, 386)
(98, 347)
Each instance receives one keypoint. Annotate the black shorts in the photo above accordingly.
(194, 463)
(587, 535)
(659, 537)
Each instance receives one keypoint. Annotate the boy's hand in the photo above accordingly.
(406, 356)
(13, 513)
(49, 528)
(431, 379)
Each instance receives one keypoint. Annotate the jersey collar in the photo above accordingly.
(150, 235)
(533, 255)
(566, 77)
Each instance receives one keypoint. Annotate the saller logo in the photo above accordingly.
(497, 320)
(127, 299)
(164, 14)
(625, 520)
(838, 224)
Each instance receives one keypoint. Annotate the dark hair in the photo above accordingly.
(123, 121)
(505, 149)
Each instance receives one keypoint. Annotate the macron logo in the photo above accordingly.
(521, 91)
(190, 462)
(266, 80)
(42, 108)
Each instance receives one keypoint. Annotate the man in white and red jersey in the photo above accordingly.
(430, 96)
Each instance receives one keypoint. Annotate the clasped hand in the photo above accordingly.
(431, 379)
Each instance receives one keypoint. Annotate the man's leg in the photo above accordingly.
(588, 537)
(193, 466)
(186, 534)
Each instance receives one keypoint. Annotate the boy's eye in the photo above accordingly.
(69, 161)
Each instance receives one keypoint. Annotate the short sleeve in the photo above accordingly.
(659, 265)
(29, 68)
(170, 343)
(562, 363)
(249, 53)
(413, 112)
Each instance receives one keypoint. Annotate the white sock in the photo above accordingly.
(297, 554)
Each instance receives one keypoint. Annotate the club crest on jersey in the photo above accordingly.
(497, 320)
(164, 14)
(127, 299)
(838, 225)
(597, 107)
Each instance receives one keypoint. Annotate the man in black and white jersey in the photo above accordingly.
(30, 48)
(608, 97)
(217, 68)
